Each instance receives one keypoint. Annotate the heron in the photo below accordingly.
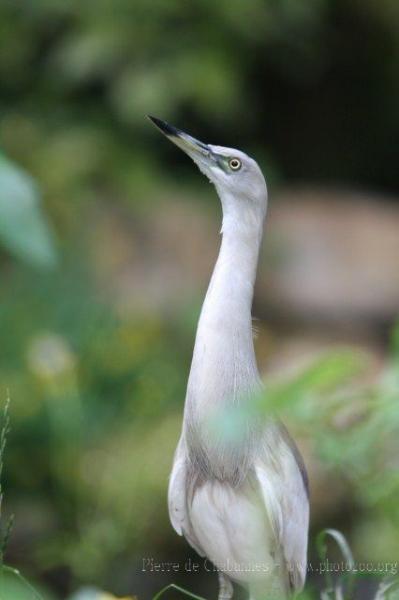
(241, 501)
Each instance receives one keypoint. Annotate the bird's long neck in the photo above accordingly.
(224, 366)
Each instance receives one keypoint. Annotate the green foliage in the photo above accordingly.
(348, 419)
(78, 81)
(349, 562)
(344, 587)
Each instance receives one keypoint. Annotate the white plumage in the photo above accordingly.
(242, 500)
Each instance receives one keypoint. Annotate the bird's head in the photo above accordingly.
(237, 177)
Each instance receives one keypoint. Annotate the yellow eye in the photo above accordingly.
(234, 164)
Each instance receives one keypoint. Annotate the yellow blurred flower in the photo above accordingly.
(106, 596)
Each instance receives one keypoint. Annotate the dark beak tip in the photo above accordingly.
(163, 126)
(154, 120)
(174, 134)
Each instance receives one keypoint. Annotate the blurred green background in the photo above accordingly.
(108, 236)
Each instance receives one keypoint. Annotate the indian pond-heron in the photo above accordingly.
(241, 501)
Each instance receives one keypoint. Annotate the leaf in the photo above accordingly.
(324, 375)
(172, 586)
(24, 229)
(13, 586)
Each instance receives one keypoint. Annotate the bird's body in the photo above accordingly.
(239, 499)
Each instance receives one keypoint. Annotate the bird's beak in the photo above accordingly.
(197, 150)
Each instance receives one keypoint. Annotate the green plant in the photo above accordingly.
(5, 428)
(13, 586)
(179, 589)
(344, 588)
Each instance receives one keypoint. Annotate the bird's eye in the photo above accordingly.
(234, 164)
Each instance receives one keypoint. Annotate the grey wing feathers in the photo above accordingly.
(295, 531)
(177, 499)
(285, 497)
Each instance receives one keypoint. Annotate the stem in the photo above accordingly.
(173, 586)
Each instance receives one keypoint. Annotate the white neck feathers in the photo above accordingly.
(224, 365)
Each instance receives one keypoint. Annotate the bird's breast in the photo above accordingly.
(232, 529)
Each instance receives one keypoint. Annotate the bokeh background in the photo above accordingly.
(108, 237)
